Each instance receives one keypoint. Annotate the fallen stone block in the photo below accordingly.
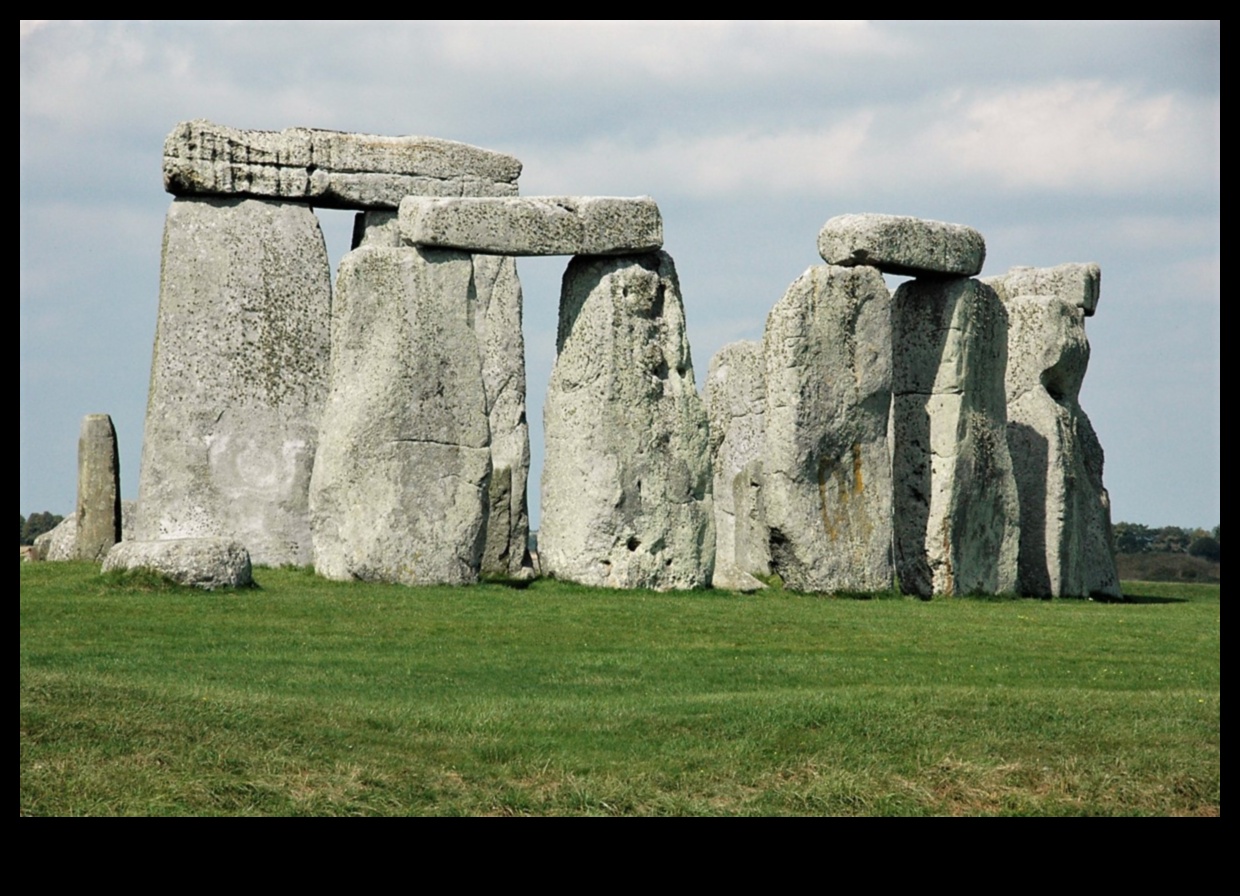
(535, 225)
(736, 405)
(401, 478)
(626, 490)
(1077, 284)
(957, 514)
(827, 490)
(897, 244)
(238, 376)
(98, 515)
(330, 169)
(206, 563)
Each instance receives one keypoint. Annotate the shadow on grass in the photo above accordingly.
(1149, 599)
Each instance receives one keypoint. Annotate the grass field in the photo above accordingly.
(312, 697)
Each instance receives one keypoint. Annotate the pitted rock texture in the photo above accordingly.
(1076, 283)
(1065, 536)
(957, 518)
(206, 563)
(736, 403)
(329, 169)
(98, 515)
(238, 376)
(535, 225)
(827, 491)
(897, 244)
(402, 475)
(626, 491)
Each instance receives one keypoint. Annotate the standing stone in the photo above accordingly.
(1064, 511)
(1078, 284)
(626, 500)
(827, 489)
(99, 489)
(736, 403)
(238, 377)
(496, 313)
(401, 478)
(956, 508)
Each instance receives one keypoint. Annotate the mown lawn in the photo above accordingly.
(312, 697)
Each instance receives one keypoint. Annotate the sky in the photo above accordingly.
(1070, 141)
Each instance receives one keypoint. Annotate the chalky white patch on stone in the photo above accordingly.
(626, 492)
(957, 517)
(898, 244)
(1065, 540)
(98, 515)
(206, 563)
(535, 225)
(827, 491)
(238, 376)
(401, 478)
(736, 403)
(330, 169)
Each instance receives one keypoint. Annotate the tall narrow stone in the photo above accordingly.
(626, 500)
(402, 475)
(1065, 547)
(956, 507)
(736, 402)
(827, 489)
(99, 489)
(238, 376)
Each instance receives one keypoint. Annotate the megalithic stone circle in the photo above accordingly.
(329, 169)
(400, 489)
(827, 490)
(238, 376)
(626, 490)
(736, 404)
(98, 514)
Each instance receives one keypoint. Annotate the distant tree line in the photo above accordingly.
(1134, 538)
(36, 524)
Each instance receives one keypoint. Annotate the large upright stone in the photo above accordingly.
(626, 499)
(827, 478)
(496, 314)
(98, 515)
(956, 508)
(238, 376)
(402, 474)
(736, 403)
(535, 225)
(897, 244)
(1078, 284)
(329, 169)
(1065, 543)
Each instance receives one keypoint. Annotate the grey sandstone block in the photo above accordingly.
(535, 225)
(1076, 283)
(330, 169)
(98, 515)
(897, 244)
(206, 563)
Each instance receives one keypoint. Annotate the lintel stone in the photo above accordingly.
(534, 225)
(898, 244)
(330, 169)
(1076, 283)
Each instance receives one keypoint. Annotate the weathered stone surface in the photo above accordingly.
(401, 478)
(206, 563)
(1077, 284)
(98, 515)
(238, 376)
(897, 244)
(1064, 511)
(59, 543)
(497, 321)
(956, 507)
(626, 499)
(329, 169)
(535, 225)
(736, 404)
(827, 490)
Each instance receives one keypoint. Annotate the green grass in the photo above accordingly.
(311, 697)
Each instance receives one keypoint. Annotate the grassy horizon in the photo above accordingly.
(313, 697)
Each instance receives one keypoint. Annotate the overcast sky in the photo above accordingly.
(1058, 141)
